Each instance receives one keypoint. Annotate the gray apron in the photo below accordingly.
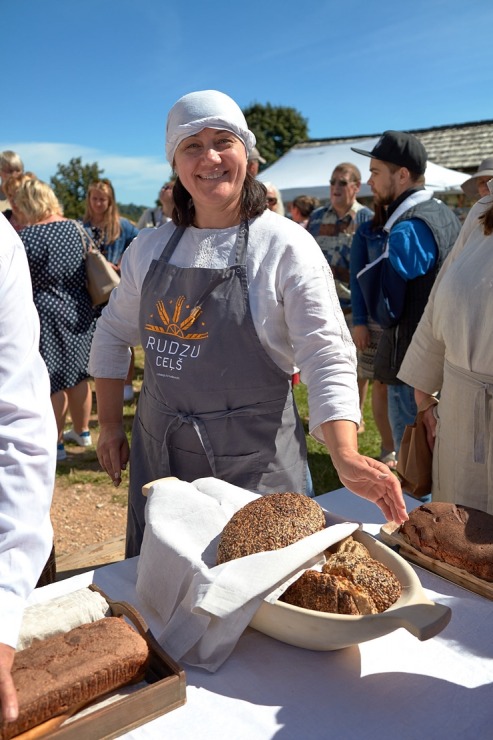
(213, 403)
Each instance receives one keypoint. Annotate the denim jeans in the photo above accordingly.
(402, 410)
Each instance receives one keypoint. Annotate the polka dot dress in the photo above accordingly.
(55, 255)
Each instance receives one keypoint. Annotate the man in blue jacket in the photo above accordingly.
(421, 231)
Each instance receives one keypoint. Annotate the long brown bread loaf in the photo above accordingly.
(455, 534)
(58, 673)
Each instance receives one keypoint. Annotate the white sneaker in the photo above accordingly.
(60, 452)
(128, 393)
(83, 439)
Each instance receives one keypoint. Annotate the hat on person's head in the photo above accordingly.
(485, 169)
(205, 109)
(255, 155)
(399, 148)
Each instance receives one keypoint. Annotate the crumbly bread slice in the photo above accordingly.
(324, 592)
(58, 673)
(350, 545)
(269, 523)
(374, 577)
(455, 534)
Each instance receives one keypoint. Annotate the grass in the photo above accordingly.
(83, 468)
(323, 472)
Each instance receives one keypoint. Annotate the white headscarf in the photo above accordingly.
(205, 109)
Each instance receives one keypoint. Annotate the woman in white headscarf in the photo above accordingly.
(228, 301)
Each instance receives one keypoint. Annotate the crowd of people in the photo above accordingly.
(230, 299)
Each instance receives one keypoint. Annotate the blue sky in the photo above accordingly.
(96, 79)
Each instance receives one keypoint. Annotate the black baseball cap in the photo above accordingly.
(399, 148)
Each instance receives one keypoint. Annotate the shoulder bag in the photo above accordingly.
(101, 276)
(414, 465)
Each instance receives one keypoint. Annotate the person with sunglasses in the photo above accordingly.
(335, 224)
(333, 227)
(160, 214)
(274, 199)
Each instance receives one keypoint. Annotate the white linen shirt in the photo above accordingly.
(27, 439)
(453, 326)
(293, 302)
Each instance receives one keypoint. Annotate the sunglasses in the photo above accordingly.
(167, 187)
(272, 201)
(341, 183)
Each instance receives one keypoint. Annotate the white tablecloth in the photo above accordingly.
(388, 688)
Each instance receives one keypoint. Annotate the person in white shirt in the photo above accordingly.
(227, 302)
(27, 453)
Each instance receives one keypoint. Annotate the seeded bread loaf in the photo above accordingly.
(351, 582)
(455, 534)
(269, 523)
(54, 675)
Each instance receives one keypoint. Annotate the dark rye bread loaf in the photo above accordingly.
(269, 523)
(54, 675)
(455, 534)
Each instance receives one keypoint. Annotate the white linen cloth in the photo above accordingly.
(295, 309)
(206, 607)
(61, 615)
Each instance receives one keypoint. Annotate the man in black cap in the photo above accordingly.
(421, 231)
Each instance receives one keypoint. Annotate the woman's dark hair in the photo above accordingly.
(253, 201)
(486, 219)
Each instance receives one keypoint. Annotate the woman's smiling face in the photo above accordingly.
(212, 165)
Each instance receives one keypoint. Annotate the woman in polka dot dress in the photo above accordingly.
(55, 253)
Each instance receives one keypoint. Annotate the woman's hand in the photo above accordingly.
(8, 694)
(113, 450)
(372, 480)
(429, 418)
(365, 476)
(361, 337)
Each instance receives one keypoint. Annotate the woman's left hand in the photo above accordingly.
(372, 480)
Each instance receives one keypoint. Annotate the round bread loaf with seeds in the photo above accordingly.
(269, 523)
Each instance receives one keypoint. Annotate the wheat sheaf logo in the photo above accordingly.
(176, 326)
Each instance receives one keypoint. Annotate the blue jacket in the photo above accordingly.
(367, 245)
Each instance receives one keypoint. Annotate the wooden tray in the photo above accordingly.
(165, 690)
(390, 535)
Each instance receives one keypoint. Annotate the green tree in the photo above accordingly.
(70, 184)
(276, 127)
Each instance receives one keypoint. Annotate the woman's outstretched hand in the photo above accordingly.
(368, 478)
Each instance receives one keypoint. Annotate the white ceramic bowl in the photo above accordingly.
(315, 630)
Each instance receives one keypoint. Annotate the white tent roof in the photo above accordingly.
(306, 169)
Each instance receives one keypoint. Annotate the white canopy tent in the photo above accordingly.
(306, 169)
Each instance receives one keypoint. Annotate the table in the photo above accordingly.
(388, 688)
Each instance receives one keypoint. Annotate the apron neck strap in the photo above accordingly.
(240, 246)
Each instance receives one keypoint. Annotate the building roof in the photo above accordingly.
(460, 146)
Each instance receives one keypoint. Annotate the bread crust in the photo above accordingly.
(455, 534)
(58, 673)
(269, 523)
